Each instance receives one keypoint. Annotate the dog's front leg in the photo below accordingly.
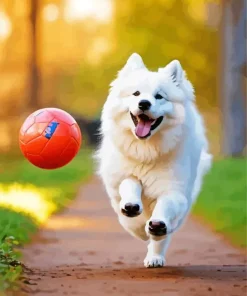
(130, 191)
(167, 215)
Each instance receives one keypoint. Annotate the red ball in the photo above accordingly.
(50, 138)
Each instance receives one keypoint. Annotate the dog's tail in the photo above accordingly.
(203, 168)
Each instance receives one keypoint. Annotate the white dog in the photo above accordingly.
(153, 154)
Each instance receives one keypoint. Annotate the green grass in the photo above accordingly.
(10, 266)
(28, 196)
(222, 203)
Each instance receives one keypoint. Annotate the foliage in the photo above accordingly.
(160, 32)
(28, 196)
(10, 266)
(17, 224)
(222, 203)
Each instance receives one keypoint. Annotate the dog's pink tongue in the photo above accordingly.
(143, 128)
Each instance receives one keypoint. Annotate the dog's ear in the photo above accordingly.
(134, 62)
(175, 70)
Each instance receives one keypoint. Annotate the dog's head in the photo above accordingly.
(146, 102)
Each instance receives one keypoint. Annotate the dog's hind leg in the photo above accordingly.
(202, 169)
(168, 214)
(156, 252)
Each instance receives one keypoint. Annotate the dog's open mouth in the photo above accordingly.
(144, 125)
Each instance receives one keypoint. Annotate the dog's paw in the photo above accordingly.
(131, 210)
(157, 228)
(154, 261)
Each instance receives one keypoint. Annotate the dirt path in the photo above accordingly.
(85, 252)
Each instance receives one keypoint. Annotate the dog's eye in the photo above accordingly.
(137, 93)
(158, 97)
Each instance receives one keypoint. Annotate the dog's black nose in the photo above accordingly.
(144, 105)
(131, 210)
(157, 228)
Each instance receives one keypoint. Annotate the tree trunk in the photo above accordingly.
(35, 81)
(232, 76)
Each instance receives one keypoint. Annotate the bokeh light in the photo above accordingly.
(5, 26)
(76, 10)
(51, 12)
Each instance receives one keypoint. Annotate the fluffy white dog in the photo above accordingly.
(153, 154)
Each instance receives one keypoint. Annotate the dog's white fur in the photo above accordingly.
(162, 174)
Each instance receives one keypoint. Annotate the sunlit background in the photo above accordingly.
(81, 44)
(65, 53)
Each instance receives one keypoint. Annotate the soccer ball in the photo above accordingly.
(50, 138)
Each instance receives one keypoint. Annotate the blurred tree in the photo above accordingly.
(232, 71)
(159, 32)
(166, 31)
(35, 36)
